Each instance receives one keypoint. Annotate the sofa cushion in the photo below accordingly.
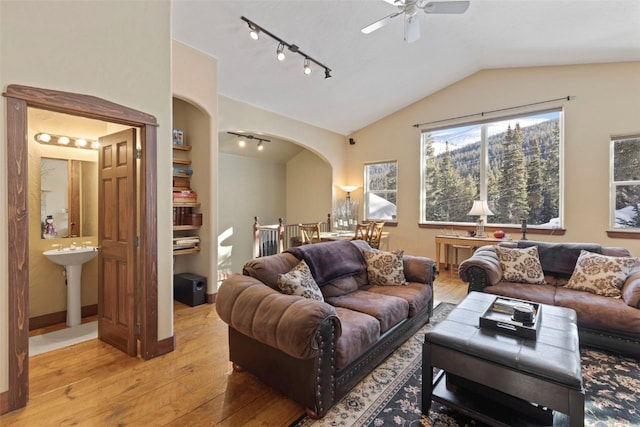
(299, 281)
(598, 312)
(559, 258)
(359, 332)
(544, 294)
(388, 310)
(385, 268)
(416, 294)
(267, 269)
(520, 265)
(600, 274)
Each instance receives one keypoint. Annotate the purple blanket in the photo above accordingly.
(331, 260)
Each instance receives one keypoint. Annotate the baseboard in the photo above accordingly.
(50, 319)
(4, 402)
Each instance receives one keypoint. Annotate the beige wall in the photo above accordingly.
(249, 186)
(309, 188)
(606, 103)
(118, 51)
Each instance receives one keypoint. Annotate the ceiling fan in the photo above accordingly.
(410, 10)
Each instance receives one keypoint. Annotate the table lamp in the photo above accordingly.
(480, 209)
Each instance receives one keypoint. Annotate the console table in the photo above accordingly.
(448, 240)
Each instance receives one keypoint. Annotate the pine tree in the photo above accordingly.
(513, 181)
(551, 173)
(448, 185)
(535, 184)
(432, 191)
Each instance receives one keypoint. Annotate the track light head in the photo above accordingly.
(241, 143)
(280, 52)
(260, 146)
(307, 66)
(327, 73)
(254, 33)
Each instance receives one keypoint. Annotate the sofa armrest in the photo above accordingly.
(482, 269)
(631, 288)
(419, 269)
(286, 322)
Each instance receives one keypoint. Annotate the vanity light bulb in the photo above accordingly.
(44, 137)
(81, 142)
(63, 140)
(95, 145)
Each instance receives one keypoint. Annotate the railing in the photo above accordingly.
(275, 238)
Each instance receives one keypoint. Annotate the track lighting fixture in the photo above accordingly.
(255, 30)
(254, 33)
(280, 52)
(243, 136)
(51, 139)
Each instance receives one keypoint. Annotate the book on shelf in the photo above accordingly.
(185, 196)
(186, 242)
(182, 171)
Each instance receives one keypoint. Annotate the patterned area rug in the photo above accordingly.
(391, 394)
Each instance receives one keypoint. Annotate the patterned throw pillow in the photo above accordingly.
(299, 281)
(521, 265)
(600, 274)
(385, 268)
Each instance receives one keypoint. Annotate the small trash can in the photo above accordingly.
(189, 289)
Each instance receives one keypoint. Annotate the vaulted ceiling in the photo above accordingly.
(379, 73)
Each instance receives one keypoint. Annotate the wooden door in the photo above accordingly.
(117, 237)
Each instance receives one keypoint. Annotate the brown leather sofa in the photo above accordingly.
(604, 322)
(316, 351)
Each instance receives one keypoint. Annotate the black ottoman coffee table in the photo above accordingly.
(501, 379)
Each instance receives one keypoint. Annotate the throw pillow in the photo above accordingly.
(299, 281)
(385, 268)
(600, 274)
(520, 265)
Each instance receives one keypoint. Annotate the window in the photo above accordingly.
(513, 163)
(381, 191)
(625, 183)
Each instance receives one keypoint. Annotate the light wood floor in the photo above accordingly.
(93, 384)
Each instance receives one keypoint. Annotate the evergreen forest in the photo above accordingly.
(522, 176)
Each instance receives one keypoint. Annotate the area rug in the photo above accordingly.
(391, 394)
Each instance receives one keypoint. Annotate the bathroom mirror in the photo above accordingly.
(68, 198)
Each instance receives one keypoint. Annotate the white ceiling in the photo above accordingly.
(377, 74)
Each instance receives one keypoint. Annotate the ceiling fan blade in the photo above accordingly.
(411, 28)
(395, 2)
(380, 23)
(446, 7)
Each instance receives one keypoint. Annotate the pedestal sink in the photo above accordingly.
(72, 260)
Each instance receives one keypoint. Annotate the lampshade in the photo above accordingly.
(480, 208)
(348, 188)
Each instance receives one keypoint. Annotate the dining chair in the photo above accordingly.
(375, 234)
(309, 233)
(362, 232)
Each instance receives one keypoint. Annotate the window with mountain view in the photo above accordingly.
(380, 191)
(513, 163)
(625, 182)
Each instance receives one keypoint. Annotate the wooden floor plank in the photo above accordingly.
(94, 384)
